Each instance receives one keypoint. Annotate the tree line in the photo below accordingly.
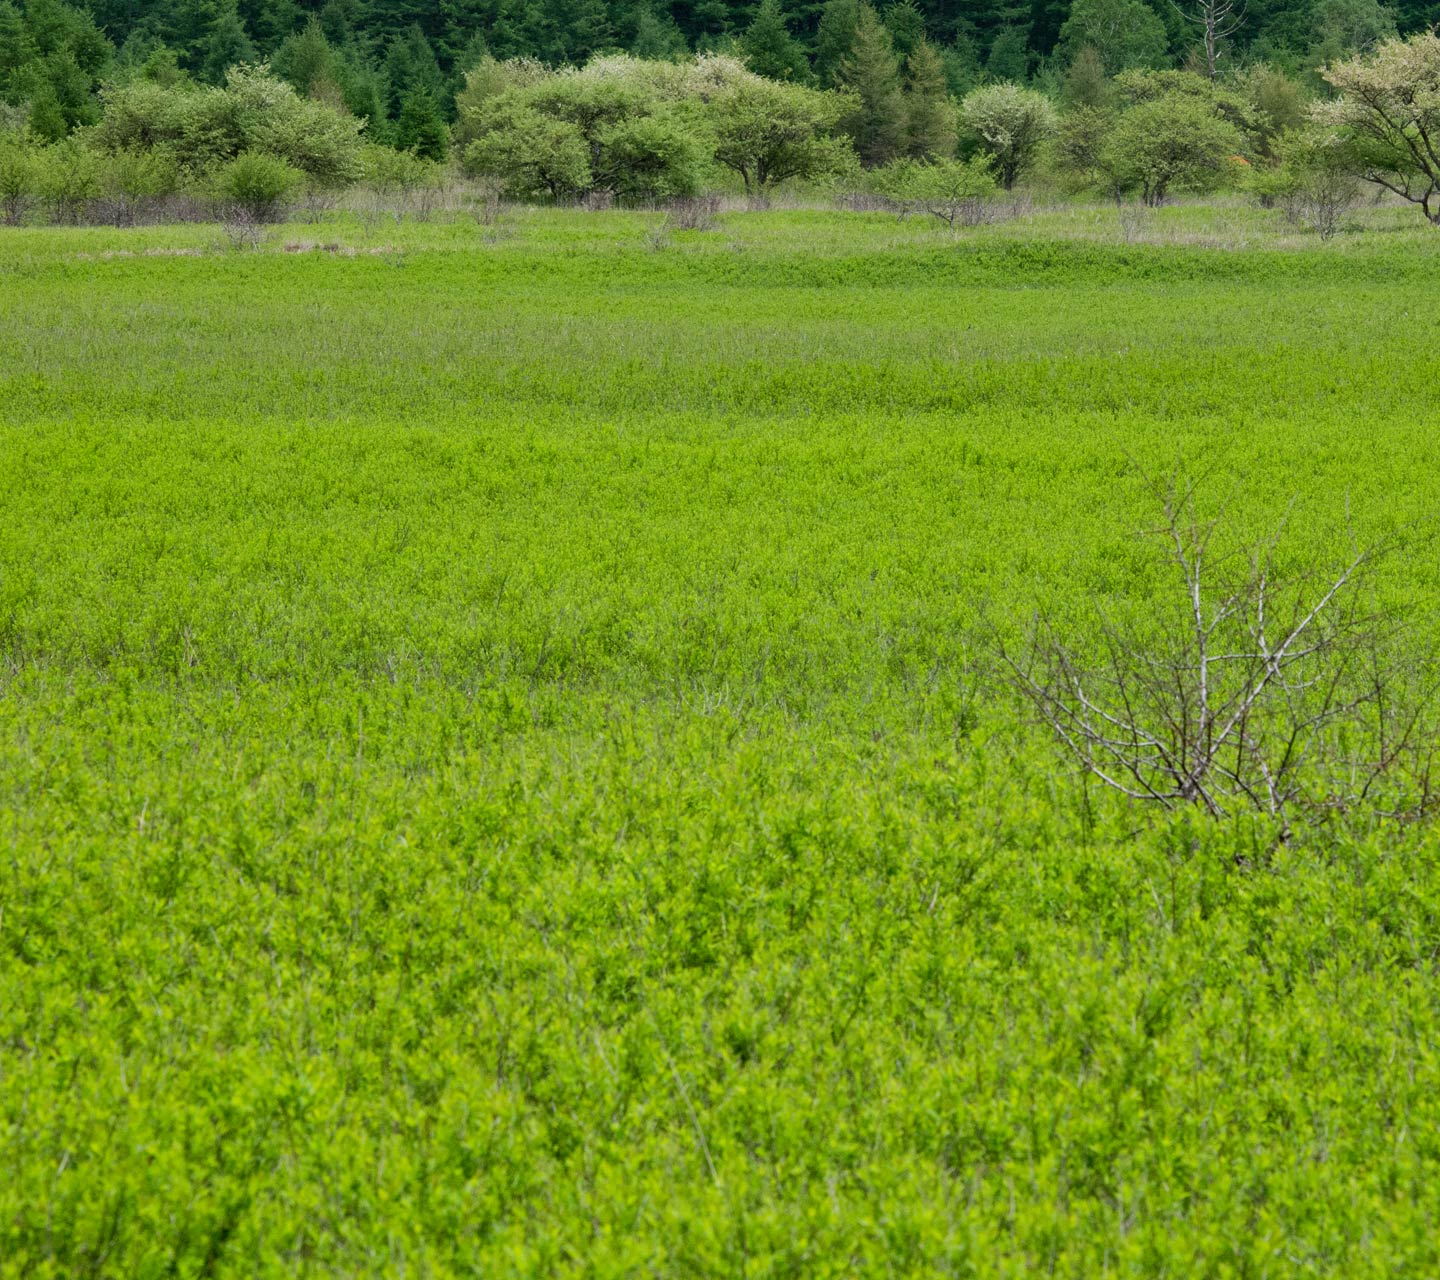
(883, 118)
(399, 64)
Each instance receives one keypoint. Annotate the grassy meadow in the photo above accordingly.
(501, 772)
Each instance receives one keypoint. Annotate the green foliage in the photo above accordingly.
(929, 113)
(501, 777)
(20, 169)
(257, 184)
(1176, 142)
(530, 153)
(134, 177)
(1387, 118)
(1009, 124)
(870, 74)
(652, 157)
(421, 128)
(769, 48)
(950, 190)
(620, 125)
(69, 177)
(769, 133)
(200, 128)
(388, 170)
(835, 35)
(1122, 33)
(51, 59)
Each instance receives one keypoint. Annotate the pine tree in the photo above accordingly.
(906, 26)
(270, 21)
(227, 44)
(929, 113)
(410, 67)
(870, 71)
(1009, 57)
(421, 128)
(656, 36)
(770, 50)
(836, 34)
(304, 58)
(587, 31)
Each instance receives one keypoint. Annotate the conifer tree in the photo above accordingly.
(834, 37)
(227, 44)
(906, 26)
(769, 48)
(421, 128)
(871, 72)
(929, 113)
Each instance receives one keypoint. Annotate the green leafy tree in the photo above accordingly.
(530, 153)
(768, 133)
(1387, 117)
(257, 184)
(652, 157)
(205, 127)
(1122, 34)
(1010, 124)
(20, 168)
(1172, 143)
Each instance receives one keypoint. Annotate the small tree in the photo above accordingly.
(19, 179)
(256, 184)
(954, 191)
(1010, 124)
(653, 157)
(70, 179)
(134, 177)
(1175, 142)
(530, 153)
(768, 133)
(1248, 689)
(421, 128)
(1311, 180)
(1388, 118)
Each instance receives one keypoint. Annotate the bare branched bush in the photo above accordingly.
(1324, 199)
(240, 228)
(1136, 222)
(1252, 690)
(482, 199)
(697, 213)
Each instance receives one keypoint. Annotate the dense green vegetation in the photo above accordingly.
(502, 775)
(174, 127)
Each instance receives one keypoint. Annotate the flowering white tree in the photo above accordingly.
(1388, 118)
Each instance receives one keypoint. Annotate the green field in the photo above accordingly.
(501, 773)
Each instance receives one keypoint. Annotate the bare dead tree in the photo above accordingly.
(1217, 19)
(1253, 691)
